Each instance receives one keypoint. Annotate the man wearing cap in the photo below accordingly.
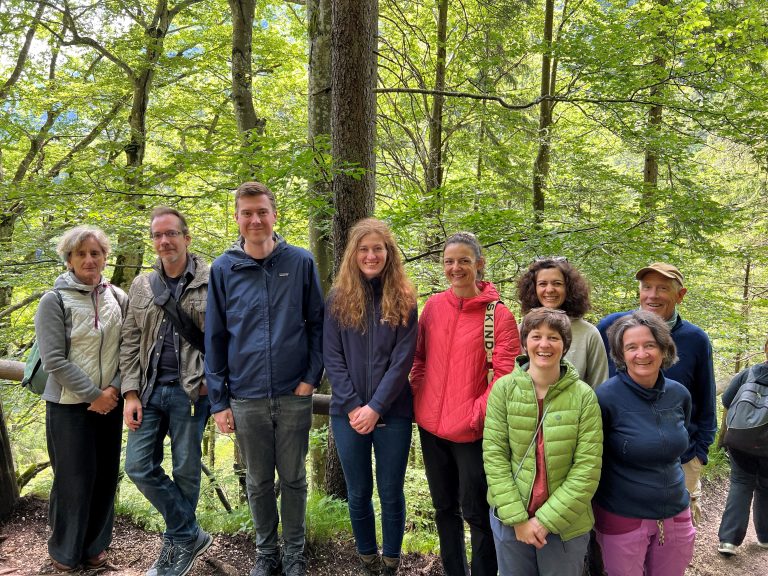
(661, 290)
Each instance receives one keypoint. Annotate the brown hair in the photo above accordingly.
(165, 211)
(576, 302)
(555, 319)
(659, 331)
(350, 295)
(470, 240)
(254, 188)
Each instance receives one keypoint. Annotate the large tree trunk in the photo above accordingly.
(353, 126)
(435, 160)
(548, 71)
(320, 190)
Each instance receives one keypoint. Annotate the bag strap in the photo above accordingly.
(180, 319)
(489, 336)
(64, 317)
(533, 441)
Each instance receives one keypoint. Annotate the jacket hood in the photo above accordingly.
(488, 293)
(200, 267)
(759, 373)
(68, 281)
(237, 254)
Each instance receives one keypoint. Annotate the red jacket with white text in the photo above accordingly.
(449, 378)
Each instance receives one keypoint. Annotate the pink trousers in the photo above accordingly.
(637, 547)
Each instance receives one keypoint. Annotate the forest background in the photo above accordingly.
(615, 134)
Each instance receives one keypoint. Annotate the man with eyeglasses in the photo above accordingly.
(163, 383)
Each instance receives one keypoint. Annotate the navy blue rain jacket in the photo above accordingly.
(370, 368)
(263, 324)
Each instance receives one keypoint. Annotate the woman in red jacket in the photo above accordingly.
(450, 388)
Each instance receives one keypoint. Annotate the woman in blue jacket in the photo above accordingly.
(369, 339)
(642, 519)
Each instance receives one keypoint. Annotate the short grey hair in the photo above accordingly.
(659, 330)
(72, 239)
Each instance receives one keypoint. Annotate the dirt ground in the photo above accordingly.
(23, 549)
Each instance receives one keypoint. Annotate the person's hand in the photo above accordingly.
(365, 419)
(132, 411)
(225, 421)
(531, 532)
(304, 389)
(106, 402)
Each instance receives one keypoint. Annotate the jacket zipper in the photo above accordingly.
(368, 367)
(450, 353)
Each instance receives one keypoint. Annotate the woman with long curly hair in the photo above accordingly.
(369, 339)
(555, 283)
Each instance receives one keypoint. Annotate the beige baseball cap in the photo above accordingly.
(662, 268)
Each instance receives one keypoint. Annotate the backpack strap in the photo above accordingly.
(489, 337)
(180, 319)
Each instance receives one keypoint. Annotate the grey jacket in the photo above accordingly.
(140, 332)
(89, 329)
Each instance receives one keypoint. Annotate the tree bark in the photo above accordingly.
(9, 490)
(541, 164)
(354, 27)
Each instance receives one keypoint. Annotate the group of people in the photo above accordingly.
(550, 440)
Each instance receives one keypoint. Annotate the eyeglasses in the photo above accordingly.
(550, 259)
(171, 234)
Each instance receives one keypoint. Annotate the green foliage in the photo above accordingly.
(327, 519)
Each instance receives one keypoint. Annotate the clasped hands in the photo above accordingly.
(532, 532)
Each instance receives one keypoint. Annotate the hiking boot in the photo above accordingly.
(266, 565)
(389, 565)
(163, 562)
(370, 565)
(727, 549)
(295, 565)
(186, 552)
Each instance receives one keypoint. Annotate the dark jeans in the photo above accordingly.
(273, 433)
(749, 476)
(458, 488)
(390, 443)
(168, 411)
(84, 448)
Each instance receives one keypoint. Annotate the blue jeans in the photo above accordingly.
(273, 433)
(749, 476)
(557, 558)
(391, 443)
(168, 411)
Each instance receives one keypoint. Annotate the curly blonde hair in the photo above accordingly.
(350, 295)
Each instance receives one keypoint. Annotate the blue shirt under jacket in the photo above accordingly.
(263, 324)
(644, 435)
(695, 371)
(370, 368)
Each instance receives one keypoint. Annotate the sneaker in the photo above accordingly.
(295, 565)
(762, 544)
(266, 565)
(185, 553)
(163, 562)
(727, 549)
(370, 565)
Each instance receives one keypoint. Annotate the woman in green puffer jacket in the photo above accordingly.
(542, 450)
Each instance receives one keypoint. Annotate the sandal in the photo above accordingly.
(97, 561)
(59, 567)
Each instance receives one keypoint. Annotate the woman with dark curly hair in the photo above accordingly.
(554, 283)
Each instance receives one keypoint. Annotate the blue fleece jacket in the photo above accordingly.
(372, 367)
(695, 371)
(644, 433)
(263, 324)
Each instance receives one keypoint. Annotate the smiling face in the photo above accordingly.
(642, 355)
(550, 287)
(544, 346)
(371, 255)
(87, 261)
(169, 242)
(659, 294)
(461, 267)
(256, 219)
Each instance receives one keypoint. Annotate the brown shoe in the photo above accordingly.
(97, 561)
(59, 567)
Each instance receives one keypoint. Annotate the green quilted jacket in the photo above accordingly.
(573, 448)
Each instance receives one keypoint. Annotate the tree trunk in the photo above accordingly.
(9, 490)
(249, 124)
(353, 127)
(541, 164)
(745, 313)
(434, 174)
(320, 189)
